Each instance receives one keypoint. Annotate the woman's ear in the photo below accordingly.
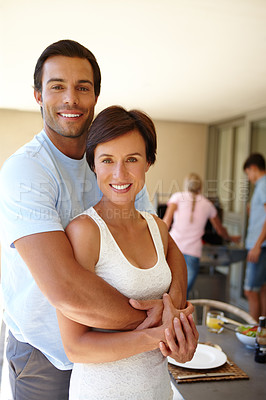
(147, 166)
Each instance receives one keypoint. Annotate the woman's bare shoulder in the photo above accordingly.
(81, 223)
(84, 236)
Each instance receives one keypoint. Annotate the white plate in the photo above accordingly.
(205, 357)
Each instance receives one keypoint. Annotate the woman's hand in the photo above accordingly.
(181, 335)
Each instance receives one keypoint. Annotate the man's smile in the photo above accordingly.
(121, 187)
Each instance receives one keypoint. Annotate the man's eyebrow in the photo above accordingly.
(63, 80)
(86, 81)
(54, 80)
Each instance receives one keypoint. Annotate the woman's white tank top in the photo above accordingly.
(143, 376)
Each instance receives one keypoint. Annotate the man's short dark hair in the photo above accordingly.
(256, 159)
(67, 48)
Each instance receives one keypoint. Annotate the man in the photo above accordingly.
(44, 185)
(255, 279)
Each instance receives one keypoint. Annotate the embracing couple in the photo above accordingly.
(90, 275)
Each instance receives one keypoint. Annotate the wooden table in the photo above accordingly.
(252, 388)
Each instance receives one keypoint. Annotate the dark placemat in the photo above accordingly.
(229, 366)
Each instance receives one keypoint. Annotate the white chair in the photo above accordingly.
(208, 304)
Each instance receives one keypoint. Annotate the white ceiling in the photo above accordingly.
(186, 60)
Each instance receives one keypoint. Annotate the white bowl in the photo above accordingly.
(249, 341)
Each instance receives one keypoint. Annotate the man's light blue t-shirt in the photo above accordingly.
(257, 213)
(41, 191)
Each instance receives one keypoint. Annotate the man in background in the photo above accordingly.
(255, 278)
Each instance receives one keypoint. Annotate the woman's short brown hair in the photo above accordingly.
(115, 121)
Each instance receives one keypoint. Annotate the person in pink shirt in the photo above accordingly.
(190, 211)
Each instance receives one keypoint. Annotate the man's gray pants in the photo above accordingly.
(32, 376)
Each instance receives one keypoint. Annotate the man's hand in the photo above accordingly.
(180, 340)
(154, 310)
(188, 310)
(254, 254)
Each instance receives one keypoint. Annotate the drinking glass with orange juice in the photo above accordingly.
(214, 321)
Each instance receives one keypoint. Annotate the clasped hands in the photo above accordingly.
(179, 330)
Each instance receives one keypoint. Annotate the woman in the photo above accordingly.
(127, 248)
(189, 211)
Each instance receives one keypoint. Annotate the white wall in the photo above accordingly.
(181, 149)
